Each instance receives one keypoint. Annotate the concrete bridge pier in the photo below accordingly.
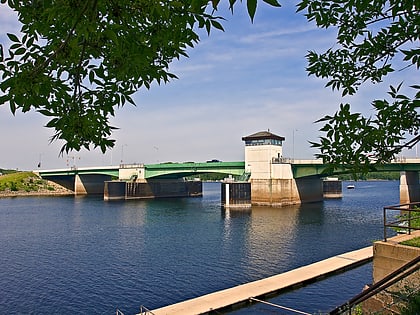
(409, 187)
(279, 192)
(90, 184)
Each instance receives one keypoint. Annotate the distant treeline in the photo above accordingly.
(373, 176)
(4, 171)
(368, 176)
(210, 177)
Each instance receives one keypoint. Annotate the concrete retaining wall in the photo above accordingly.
(389, 256)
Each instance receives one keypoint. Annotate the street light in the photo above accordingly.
(39, 163)
(122, 152)
(293, 144)
(74, 158)
(157, 155)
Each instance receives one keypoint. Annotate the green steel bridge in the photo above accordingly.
(178, 170)
(158, 171)
(316, 168)
(90, 180)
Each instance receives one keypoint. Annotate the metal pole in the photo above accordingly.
(384, 224)
(279, 306)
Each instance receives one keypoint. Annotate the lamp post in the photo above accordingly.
(39, 163)
(122, 152)
(293, 144)
(157, 151)
(74, 159)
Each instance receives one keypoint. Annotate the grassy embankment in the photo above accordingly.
(416, 224)
(413, 242)
(27, 182)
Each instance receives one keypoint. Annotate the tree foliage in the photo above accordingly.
(374, 38)
(76, 61)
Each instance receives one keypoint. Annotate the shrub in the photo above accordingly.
(13, 186)
(413, 306)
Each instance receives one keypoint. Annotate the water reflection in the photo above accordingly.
(91, 256)
(267, 235)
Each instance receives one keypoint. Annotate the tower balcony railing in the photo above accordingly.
(281, 160)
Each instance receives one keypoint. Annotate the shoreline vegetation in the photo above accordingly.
(21, 184)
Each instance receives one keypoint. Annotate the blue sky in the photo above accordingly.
(244, 80)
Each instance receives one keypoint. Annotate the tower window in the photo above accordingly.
(263, 142)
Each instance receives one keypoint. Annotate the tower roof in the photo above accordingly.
(263, 135)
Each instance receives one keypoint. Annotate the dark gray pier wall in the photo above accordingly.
(162, 188)
(236, 194)
(332, 188)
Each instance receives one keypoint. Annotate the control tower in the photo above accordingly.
(261, 150)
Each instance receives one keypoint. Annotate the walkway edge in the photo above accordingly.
(241, 293)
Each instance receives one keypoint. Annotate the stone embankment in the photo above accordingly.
(52, 190)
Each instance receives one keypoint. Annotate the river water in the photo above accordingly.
(82, 255)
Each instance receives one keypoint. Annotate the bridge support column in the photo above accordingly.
(90, 184)
(282, 192)
(409, 187)
(79, 187)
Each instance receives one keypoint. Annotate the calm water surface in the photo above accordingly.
(65, 255)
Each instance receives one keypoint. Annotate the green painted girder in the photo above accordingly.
(179, 170)
(402, 167)
(306, 170)
(75, 171)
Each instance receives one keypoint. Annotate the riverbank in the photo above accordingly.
(22, 184)
(8, 194)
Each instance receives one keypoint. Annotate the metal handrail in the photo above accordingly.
(394, 277)
(279, 306)
(145, 311)
(406, 218)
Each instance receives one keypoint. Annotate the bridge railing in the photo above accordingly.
(281, 160)
(132, 165)
(406, 220)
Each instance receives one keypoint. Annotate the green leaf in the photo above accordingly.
(4, 99)
(252, 8)
(20, 51)
(13, 38)
(231, 4)
(91, 76)
(273, 3)
(46, 112)
(217, 25)
(111, 35)
(215, 4)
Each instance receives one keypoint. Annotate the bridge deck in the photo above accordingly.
(242, 293)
